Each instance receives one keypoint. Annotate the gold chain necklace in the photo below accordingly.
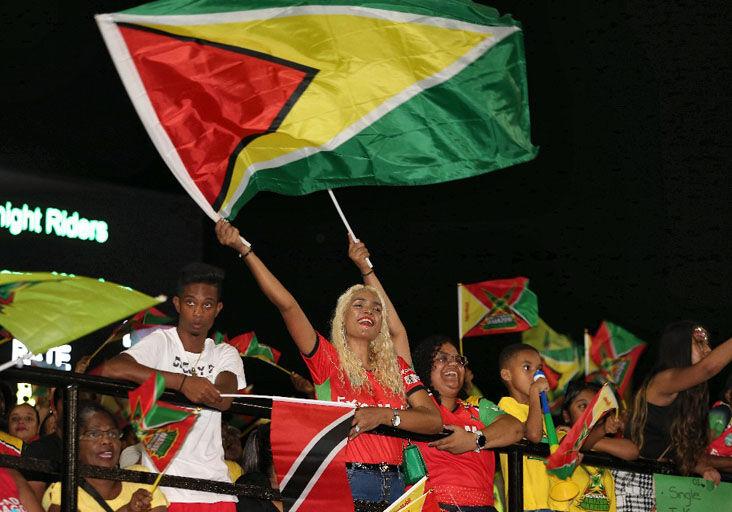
(194, 373)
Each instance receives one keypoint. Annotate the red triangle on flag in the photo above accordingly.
(212, 99)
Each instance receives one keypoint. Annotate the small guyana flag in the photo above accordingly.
(248, 345)
(614, 352)
(563, 462)
(414, 499)
(160, 427)
(495, 307)
(560, 357)
(295, 96)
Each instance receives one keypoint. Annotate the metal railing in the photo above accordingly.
(259, 407)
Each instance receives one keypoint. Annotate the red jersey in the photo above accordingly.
(464, 479)
(9, 497)
(331, 383)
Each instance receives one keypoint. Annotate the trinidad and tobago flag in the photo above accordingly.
(308, 438)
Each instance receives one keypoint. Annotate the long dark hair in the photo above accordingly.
(257, 456)
(424, 355)
(689, 410)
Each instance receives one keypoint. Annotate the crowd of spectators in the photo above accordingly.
(367, 360)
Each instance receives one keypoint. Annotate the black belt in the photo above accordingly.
(381, 467)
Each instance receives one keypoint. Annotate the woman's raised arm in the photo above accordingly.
(358, 253)
(297, 323)
(664, 386)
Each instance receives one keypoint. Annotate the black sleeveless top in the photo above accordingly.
(657, 432)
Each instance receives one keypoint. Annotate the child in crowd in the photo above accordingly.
(24, 422)
(669, 417)
(596, 489)
(517, 364)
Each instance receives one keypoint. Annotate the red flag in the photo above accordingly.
(249, 345)
(615, 352)
(563, 462)
(161, 427)
(308, 438)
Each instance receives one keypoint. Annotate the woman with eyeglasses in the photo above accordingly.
(360, 364)
(100, 445)
(461, 466)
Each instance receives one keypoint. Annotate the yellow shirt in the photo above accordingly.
(88, 504)
(536, 479)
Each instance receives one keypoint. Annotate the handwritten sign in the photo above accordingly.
(682, 494)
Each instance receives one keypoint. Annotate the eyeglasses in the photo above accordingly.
(441, 359)
(96, 435)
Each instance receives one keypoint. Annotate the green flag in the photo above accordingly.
(45, 310)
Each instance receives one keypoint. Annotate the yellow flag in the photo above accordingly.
(412, 500)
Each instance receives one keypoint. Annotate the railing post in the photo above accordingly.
(70, 466)
(515, 480)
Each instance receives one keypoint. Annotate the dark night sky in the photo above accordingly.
(624, 215)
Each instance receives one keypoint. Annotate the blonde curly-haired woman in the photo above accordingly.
(359, 365)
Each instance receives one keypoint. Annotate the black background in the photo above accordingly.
(624, 215)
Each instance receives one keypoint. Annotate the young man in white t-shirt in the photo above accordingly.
(193, 364)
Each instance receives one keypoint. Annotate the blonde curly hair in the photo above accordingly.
(382, 355)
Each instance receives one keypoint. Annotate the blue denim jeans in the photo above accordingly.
(375, 484)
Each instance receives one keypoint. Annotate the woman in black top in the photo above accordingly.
(669, 418)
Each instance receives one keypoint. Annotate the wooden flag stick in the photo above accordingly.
(345, 222)
(460, 319)
(157, 480)
(587, 353)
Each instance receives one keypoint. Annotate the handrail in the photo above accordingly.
(260, 407)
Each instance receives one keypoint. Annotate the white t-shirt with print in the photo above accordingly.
(202, 453)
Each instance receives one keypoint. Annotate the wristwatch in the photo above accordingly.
(395, 418)
(480, 440)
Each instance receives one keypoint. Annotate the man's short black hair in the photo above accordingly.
(510, 352)
(200, 273)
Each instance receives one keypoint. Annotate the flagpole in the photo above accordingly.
(111, 337)
(460, 317)
(587, 353)
(216, 217)
(18, 361)
(345, 222)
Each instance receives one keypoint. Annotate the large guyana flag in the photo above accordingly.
(496, 307)
(295, 96)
